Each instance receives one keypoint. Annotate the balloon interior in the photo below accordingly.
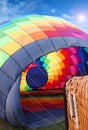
(38, 54)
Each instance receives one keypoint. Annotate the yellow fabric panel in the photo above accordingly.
(22, 37)
(31, 25)
(11, 47)
(50, 19)
(39, 23)
(55, 22)
(17, 33)
(24, 40)
(31, 30)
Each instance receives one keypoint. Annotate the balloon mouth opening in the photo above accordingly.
(42, 110)
(38, 108)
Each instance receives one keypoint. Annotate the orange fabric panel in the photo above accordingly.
(47, 28)
(38, 35)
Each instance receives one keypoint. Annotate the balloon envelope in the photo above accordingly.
(38, 54)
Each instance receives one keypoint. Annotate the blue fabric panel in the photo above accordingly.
(58, 42)
(2, 102)
(22, 58)
(43, 118)
(2, 115)
(11, 68)
(71, 41)
(46, 45)
(83, 43)
(34, 50)
(14, 113)
(5, 83)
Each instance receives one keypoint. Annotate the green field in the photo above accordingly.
(6, 126)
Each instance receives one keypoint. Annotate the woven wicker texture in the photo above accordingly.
(77, 103)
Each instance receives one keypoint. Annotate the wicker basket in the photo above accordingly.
(77, 103)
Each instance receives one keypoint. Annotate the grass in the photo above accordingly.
(6, 126)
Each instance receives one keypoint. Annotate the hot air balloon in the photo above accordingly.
(38, 54)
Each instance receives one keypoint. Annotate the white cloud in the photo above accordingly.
(53, 10)
(11, 10)
(66, 16)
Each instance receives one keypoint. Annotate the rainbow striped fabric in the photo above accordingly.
(25, 30)
(54, 69)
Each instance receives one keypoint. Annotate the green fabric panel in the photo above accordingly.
(10, 30)
(87, 62)
(86, 49)
(35, 17)
(24, 19)
(7, 27)
(27, 87)
(23, 22)
(2, 35)
(4, 41)
(3, 57)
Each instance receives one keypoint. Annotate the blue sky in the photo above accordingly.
(75, 11)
